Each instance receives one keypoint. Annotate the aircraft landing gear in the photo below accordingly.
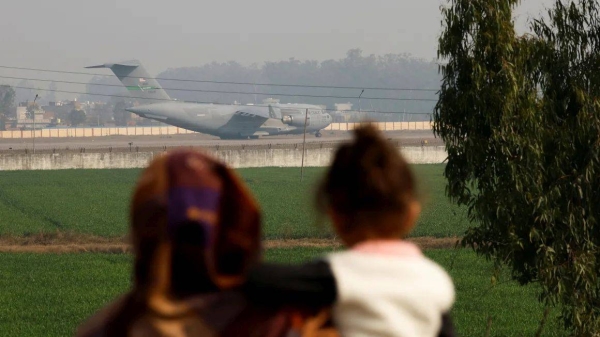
(318, 134)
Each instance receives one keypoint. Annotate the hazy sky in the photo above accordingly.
(69, 34)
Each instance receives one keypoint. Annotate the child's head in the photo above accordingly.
(369, 191)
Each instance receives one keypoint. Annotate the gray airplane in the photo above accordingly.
(224, 121)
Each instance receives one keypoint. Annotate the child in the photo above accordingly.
(382, 285)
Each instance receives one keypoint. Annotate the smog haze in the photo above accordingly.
(70, 34)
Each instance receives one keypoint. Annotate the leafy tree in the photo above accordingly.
(520, 116)
(122, 117)
(7, 100)
(77, 117)
(31, 109)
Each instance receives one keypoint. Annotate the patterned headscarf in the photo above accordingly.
(193, 224)
(187, 198)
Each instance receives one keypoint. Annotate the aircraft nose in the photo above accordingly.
(137, 110)
(157, 112)
(144, 110)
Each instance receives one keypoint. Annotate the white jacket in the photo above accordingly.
(389, 288)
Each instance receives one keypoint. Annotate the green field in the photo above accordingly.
(96, 202)
(50, 294)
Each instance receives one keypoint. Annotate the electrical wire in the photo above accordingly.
(215, 103)
(226, 82)
(228, 92)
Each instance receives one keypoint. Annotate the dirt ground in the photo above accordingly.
(78, 243)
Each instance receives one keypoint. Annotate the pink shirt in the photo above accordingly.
(388, 247)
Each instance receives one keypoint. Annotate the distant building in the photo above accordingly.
(343, 106)
(23, 120)
(59, 109)
(343, 113)
(270, 101)
(48, 115)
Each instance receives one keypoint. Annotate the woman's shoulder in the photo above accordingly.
(95, 326)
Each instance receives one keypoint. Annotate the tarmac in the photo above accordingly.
(406, 138)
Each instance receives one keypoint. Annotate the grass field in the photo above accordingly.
(50, 294)
(96, 202)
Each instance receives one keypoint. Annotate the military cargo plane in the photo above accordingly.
(224, 121)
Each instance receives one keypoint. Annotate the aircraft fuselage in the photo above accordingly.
(225, 121)
(238, 121)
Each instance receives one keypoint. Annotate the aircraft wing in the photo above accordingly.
(247, 121)
(250, 115)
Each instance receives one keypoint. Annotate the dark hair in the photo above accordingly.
(368, 181)
(236, 244)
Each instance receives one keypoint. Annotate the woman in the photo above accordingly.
(195, 231)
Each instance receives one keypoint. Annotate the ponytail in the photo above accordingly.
(368, 178)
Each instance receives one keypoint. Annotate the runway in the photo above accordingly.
(406, 138)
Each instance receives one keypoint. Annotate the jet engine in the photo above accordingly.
(297, 120)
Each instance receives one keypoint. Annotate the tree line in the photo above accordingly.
(355, 70)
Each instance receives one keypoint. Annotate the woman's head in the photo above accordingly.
(369, 190)
(194, 226)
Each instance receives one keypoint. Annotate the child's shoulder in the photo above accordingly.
(396, 291)
(357, 259)
(374, 259)
(353, 268)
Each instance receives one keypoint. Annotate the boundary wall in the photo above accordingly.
(237, 158)
(172, 130)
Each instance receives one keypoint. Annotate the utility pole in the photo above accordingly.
(33, 116)
(303, 144)
(359, 106)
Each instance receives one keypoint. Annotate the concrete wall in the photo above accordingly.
(171, 130)
(93, 132)
(58, 161)
(238, 158)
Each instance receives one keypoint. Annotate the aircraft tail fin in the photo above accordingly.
(272, 113)
(137, 80)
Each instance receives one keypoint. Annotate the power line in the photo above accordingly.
(215, 103)
(228, 92)
(227, 82)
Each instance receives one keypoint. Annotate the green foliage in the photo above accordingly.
(31, 109)
(96, 202)
(520, 117)
(7, 101)
(51, 294)
(77, 117)
(122, 117)
(7, 98)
